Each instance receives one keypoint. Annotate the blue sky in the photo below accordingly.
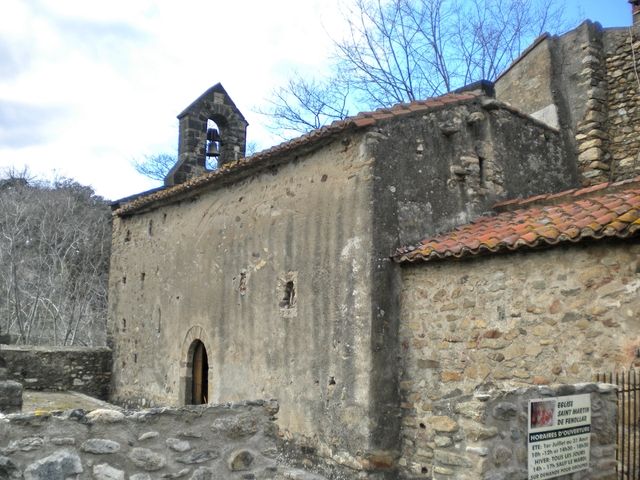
(86, 86)
(609, 13)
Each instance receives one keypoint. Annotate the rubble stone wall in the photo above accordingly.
(86, 370)
(622, 46)
(231, 441)
(525, 319)
(484, 435)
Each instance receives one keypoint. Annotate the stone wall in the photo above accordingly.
(234, 441)
(526, 83)
(587, 82)
(443, 169)
(561, 80)
(10, 396)
(591, 126)
(622, 48)
(85, 370)
(532, 318)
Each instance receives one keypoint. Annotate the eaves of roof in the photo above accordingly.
(607, 210)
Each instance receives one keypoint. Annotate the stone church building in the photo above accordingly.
(379, 275)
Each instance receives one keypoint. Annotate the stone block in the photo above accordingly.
(591, 155)
(443, 424)
(62, 464)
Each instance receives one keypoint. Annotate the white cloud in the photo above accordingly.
(100, 83)
(91, 84)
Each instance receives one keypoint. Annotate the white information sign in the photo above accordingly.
(559, 436)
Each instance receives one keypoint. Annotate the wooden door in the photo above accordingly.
(200, 374)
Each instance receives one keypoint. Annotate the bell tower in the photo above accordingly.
(212, 132)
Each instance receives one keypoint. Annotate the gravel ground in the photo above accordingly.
(39, 401)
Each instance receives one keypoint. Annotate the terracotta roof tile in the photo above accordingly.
(361, 120)
(602, 211)
(364, 121)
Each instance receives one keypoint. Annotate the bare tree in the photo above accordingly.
(307, 104)
(403, 50)
(156, 166)
(54, 254)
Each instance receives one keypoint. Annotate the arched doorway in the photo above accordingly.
(199, 373)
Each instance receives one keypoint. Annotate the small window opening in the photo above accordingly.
(142, 275)
(124, 280)
(124, 324)
(213, 145)
(150, 228)
(135, 358)
(242, 286)
(425, 470)
(481, 167)
(159, 327)
(289, 295)
(332, 381)
(422, 425)
(127, 236)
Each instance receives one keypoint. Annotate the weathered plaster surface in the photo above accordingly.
(526, 84)
(443, 169)
(214, 267)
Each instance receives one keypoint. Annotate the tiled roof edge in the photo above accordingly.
(457, 243)
(541, 242)
(229, 171)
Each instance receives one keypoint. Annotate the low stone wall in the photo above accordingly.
(85, 370)
(204, 442)
(10, 396)
(484, 436)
